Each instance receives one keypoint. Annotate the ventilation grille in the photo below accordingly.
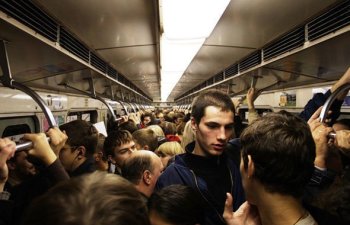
(251, 61)
(30, 15)
(334, 19)
(33, 17)
(284, 44)
(72, 45)
(231, 71)
(98, 63)
(112, 72)
(219, 77)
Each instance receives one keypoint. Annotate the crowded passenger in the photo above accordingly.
(278, 154)
(143, 169)
(146, 120)
(51, 171)
(97, 198)
(205, 165)
(145, 139)
(175, 205)
(118, 146)
(168, 150)
(77, 154)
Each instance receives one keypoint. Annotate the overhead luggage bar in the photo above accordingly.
(8, 81)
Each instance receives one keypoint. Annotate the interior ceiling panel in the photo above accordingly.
(37, 60)
(326, 62)
(123, 32)
(247, 26)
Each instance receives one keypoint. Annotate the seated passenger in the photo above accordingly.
(143, 169)
(77, 154)
(97, 198)
(118, 146)
(176, 204)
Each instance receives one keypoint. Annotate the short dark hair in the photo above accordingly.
(211, 98)
(97, 198)
(283, 151)
(114, 139)
(129, 126)
(178, 205)
(146, 137)
(81, 133)
(133, 167)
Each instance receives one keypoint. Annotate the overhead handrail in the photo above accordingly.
(94, 96)
(8, 81)
(328, 104)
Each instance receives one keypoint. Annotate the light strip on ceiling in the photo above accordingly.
(186, 25)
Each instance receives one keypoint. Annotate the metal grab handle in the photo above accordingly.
(328, 104)
(27, 145)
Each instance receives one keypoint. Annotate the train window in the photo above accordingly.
(90, 116)
(18, 125)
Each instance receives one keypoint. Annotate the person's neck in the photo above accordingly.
(144, 189)
(198, 150)
(277, 209)
(77, 163)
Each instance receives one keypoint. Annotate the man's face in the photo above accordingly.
(146, 120)
(160, 116)
(122, 152)
(23, 166)
(213, 131)
(67, 156)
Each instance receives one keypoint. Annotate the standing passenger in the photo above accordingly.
(76, 155)
(277, 162)
(118, 146)
(143, 169)
(205, 165)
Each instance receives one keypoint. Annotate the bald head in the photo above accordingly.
(143, 169)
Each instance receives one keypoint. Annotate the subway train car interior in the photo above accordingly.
(100, 61)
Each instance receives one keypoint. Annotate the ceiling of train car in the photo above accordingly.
(122, 32)
(125, 34)
(325, 62)
(245, 27)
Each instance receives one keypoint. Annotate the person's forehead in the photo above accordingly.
(125, 145)
(214, 112)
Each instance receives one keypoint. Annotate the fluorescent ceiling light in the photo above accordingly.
(186, 25)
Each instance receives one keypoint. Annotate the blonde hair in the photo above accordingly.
(157, 130)
(170, 148)
(188, 135)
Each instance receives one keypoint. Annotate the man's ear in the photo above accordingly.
(251, 166)
(193, 124)
(147, 177)
(11, 165)
(82, 151)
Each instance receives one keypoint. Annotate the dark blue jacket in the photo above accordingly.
(179, 173)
